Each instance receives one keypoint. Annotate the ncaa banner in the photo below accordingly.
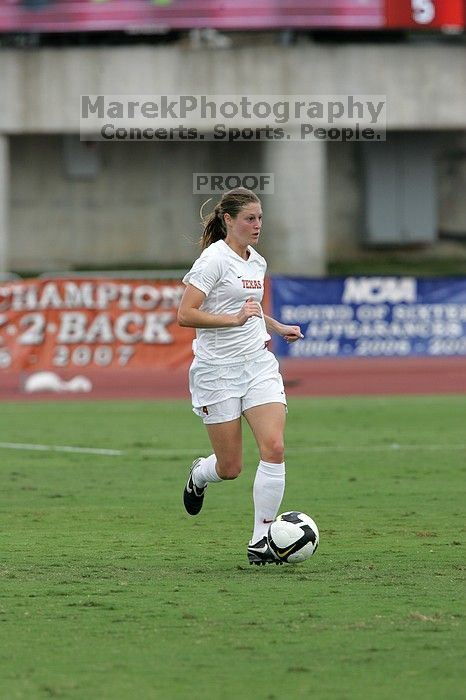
(372, 316)
(52, 324)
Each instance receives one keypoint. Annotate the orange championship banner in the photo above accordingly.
(91, 323)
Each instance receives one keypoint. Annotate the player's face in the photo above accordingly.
(245, 229)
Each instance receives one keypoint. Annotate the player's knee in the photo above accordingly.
(274, 450)
(229, 469)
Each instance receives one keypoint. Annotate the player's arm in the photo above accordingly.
(191, 316)
(290, 333)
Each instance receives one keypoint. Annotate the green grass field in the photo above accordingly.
(108, 590)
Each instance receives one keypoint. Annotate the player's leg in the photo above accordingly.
(226, 460)
(227, 442)
(267, 423)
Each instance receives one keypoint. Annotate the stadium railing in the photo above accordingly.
(9, 276)
(117, 274)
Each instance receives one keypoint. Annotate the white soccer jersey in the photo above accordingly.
(228, 281)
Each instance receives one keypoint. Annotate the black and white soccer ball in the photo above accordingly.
(293, 537)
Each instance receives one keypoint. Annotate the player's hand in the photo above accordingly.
(291, 333)
(248, 310)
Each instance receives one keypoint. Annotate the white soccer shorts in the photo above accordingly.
(221, 393)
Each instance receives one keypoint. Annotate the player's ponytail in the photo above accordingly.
(214, 226)
(231, 203)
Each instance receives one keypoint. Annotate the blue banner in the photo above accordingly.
(371, 316)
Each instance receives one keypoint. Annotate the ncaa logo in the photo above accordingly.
(377, 290)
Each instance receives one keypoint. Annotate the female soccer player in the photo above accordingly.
(233, 373)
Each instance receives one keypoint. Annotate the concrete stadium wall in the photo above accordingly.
(127, 214)
(425, 84)
(140, 207)
(345, 194)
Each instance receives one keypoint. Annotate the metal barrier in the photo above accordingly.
(117, 274)
(9, 276)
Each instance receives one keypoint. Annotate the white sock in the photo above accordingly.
(205, 472)
(269, 486)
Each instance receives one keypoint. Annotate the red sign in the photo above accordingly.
(426, 14)
(91, 323)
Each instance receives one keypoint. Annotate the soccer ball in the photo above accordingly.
(293, 537)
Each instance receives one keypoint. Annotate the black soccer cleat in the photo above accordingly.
(261, 554)
(193, 496)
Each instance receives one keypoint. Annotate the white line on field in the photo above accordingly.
(372, 448)
(393, 447)
(313, 448)
(58, 448)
